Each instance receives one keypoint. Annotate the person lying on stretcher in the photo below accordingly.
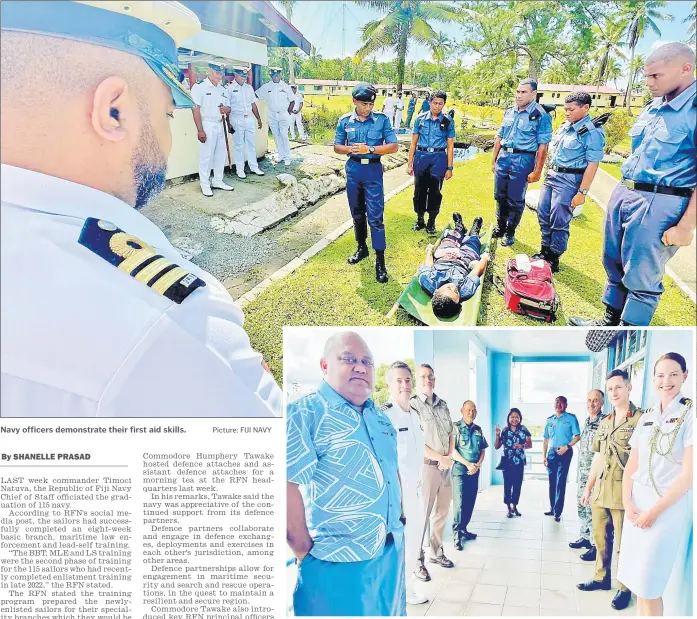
(451, 271)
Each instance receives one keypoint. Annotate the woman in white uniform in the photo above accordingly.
(656, 489)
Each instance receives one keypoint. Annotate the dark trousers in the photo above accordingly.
(512, 482)
(429, 171)
(558, 468)
(465, 489)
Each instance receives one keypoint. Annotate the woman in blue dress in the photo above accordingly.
(515, 439)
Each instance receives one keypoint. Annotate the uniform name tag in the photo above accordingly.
(404, 429)
(648, 423)
(626, 429)
(208, 94)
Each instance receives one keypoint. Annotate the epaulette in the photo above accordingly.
(687, 401)
(345, 115)
(386, 406)
(131, 255)
(598, 122)
(548, 418)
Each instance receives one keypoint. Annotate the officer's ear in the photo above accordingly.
(113, 109)
(323, 366)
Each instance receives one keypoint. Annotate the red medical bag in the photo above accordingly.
(531, 294)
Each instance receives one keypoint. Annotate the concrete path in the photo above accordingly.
(682, 267)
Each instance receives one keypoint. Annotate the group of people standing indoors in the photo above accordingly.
(375, 480)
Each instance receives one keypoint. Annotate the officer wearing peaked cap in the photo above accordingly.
(102, 317)
(244, 120)
(364, 135)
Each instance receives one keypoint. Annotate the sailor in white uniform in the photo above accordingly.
(657, 490)
(212, 105)
(410, 452)
(101, 316)
(244, 120)
(278, 97)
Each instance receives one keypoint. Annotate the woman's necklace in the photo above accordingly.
(656, 442)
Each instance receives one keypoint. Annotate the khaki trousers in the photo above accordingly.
(438, 492)
(605, 521)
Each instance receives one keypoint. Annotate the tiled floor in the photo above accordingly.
(517, 567)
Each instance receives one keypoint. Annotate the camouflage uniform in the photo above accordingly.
(585, 457)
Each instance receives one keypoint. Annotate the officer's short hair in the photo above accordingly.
(439, 94)
(580, 98)
(529, 82)
(563, 399)
(397, 365)
(673, 356)
(428, 367)
(444, 307)
(601, 392)
(621, 373)
(670, 51)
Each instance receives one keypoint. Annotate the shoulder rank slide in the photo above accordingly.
(386, 406)
(131, 255)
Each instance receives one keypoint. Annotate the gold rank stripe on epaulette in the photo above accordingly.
(135, 257)
(386, 406)
(686, 401)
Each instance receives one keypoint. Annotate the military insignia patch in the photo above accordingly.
(131, 255)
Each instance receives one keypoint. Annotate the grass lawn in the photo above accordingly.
(613, 169)
(328, 291)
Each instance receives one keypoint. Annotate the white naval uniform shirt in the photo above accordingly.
(390, 104)
(299, 99)
(277, 95)
(81, 338)
(209, 98)
(399, 104)
(664, 470)
(241, 97)
(410, 444)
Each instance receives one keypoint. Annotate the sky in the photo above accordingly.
(330, 28)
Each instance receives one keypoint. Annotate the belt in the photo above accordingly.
(431, 462)
(431, 150)
(568, 170)
(364, 160)
(518, 151)
(683, 192)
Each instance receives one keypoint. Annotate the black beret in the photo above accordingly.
(364, 92)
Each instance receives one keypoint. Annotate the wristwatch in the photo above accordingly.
(449, 168)
(583, 192)
(371, 149)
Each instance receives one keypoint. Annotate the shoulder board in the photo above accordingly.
(131, 255)
(345, 115)
(598, 122)
(550, 417)
(687, 401)
(386, 406)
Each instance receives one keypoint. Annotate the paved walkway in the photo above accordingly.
(683, 265)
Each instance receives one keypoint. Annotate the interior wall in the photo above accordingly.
(500, 381)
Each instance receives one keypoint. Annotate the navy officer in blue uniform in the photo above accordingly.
(519, 154)
(364, 135)
(577, 150)
(431, 160)
(561, 433)
(651, 213)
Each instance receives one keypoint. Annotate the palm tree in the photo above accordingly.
(641, 14)
(405, 21)
(611, 44)
(440, 48)
(288, 6)
(691, 19)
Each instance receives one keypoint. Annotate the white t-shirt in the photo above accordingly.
(82, 337)
(664, 470)
(208, 98)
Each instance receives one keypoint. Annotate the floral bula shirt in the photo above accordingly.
(509, 438)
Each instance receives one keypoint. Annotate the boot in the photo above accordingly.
(553, 259)
(360, 231)
(420, 223)
(457, 540)
(542, 254)
(509, 237)
(380, 268)
(610, 319)
(501, 219)
(476, 226)
(499, 229)
(431, 225)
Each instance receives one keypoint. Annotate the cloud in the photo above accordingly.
(659, 43)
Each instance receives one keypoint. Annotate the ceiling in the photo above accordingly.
(535, 341)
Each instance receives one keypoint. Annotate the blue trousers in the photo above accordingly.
(429, 172)
(554, 210)
(366, 197)
(410, 114)
(510, 184)
(558, 469)
(633, 254)
(373, 588)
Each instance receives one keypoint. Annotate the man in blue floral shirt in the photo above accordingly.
(346, 527)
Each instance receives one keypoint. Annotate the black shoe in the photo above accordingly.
(361, 253)
(549, 513)
(610, 319)
(515, 511)
(581, 542)
(595, 585)
(380, 268)
(469, 536)
(430, 228)
(621, 600)
(499, 231)
(422, 573)
(442, 560)
(510, 513)
(457, 539)
(553, 259)
(476, 226)
(589, 555)
(542, 254)
(457, 218)
(420, 223)
(557, 518)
